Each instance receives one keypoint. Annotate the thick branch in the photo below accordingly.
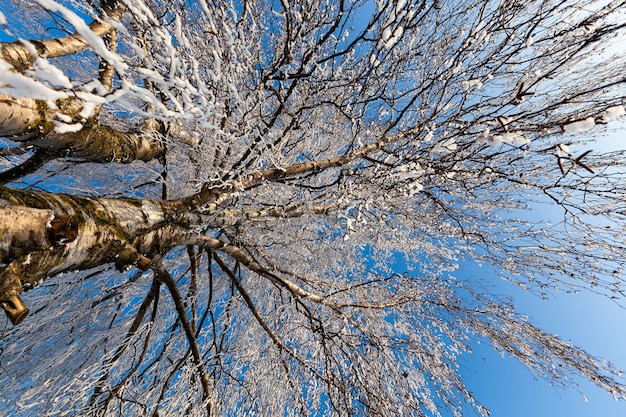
(20, 56)
(22, 119)
(27, 167)
(104, 144)
(44, 234)
(34, 122)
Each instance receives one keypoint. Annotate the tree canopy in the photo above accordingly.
(264, 208)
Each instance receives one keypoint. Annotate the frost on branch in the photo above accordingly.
(268, 207)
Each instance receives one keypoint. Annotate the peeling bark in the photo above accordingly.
(23, 230)
(104, 144)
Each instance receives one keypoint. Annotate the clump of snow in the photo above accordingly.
(512, 138)
(484, 134)
(612, 113)
(90, 102)
(386, 34)
(447, 146)
(89, 109)
(579, 125)
(63, 117)
(14, 84)
(569, 19)
(393, 39)
(408, 171)
(3, 20)
(562, 150)
(96, 42)
(472, 84)
(48, 73)
(61, 127)
(415, 187)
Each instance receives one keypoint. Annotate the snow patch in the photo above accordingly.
(512, 138)
(445, 147)
(569, 19)
(386, 34)
(61, 127)
(48, 73)
(14, 84)
(612, 113)
(562, 151)
(397, 33)
(88, 35)
(580, 125)
(472, 84)
(63, 117)
(408, 171)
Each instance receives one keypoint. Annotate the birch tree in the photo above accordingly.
(264, 208)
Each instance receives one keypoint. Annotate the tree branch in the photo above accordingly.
(162, 274)
(34, 122)
(257, 315)
(21, 57)
(254, 266)
(27, 167)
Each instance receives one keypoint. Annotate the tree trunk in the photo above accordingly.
(44, 234)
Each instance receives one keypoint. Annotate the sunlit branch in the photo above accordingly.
(251, 264)
(35, 123)
(21, 56)
(211, 198)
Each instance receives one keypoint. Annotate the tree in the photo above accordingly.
(237, 208)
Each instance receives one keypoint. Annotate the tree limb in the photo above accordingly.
(162, 274)
(20, 56)
(27, 167)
